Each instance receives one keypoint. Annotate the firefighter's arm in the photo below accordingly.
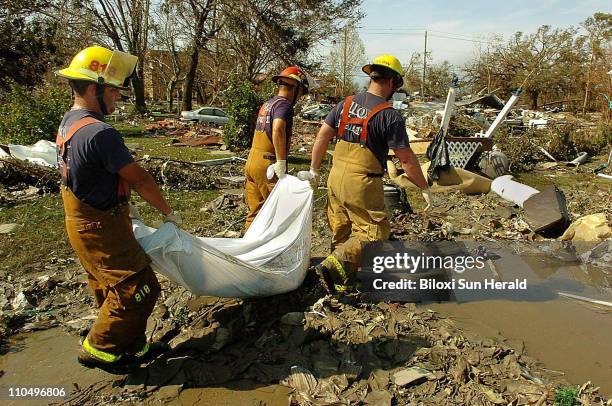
(325, 135)
(413, 172)
(279, 138)
(143, 183)
(411, 166)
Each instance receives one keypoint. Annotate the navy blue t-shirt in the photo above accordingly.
(95, 154)
(282, 109)
(387, 129)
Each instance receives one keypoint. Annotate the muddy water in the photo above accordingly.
(567, 335)
(235, 393)
(48, 359)
(45, 359)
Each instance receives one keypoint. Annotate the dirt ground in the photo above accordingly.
(303, 347)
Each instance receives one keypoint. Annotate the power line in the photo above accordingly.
(393, 33)
(463, 39)
(417, 29)
(408, 31)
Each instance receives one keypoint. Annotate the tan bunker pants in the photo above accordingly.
(355, 207)
(257, 186)
(124, 285)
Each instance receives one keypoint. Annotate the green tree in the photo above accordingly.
(346, 57)
(27, 49)
(599, 38)
(437, 79)
(250, 38)
(548, 64)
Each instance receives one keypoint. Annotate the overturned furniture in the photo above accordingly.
(452, 179)
(545, 211)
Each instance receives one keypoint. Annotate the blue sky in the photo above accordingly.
(397, 27)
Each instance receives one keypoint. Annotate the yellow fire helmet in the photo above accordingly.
(386, 61)
(100, 65)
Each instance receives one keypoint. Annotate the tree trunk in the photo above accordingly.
(190, 79)
(169, 93)
(533, 95)
(588, 82)
(199, 94)
(139, 90)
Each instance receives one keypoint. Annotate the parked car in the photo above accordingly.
(207, 115)
(317, 112)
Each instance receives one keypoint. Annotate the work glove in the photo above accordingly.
(173, 217)
(428, 198)
(279, 168)
(134, 213)
(312, 176)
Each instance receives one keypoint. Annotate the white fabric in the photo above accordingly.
(271, 258)
(42, 153)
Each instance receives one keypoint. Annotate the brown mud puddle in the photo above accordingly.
(567, 335)
(44, 359)
(48, 359)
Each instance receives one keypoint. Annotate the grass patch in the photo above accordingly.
(566, 397)
(40, 236)
(159, 147)
(187, 203)
(583, 182)
(42, 233)
(128, 130)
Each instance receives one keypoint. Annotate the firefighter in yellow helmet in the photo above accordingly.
(97, 173)
(365, 127)
(272, 138)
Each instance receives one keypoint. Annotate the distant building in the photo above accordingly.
(157, 74)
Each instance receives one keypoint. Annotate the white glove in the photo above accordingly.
(428, 199)
(134, 213)
(173, 217)
(279, 168)
(312, 176)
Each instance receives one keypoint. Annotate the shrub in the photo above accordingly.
(564, 142)
(594, 140)
(566, 397)
(242, 104)
(27, 116)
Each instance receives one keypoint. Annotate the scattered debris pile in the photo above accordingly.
(173, 127)
(460, 216)
(224, 172)
(328, 352)
(16, 175)
(186, 134)
(46, 296)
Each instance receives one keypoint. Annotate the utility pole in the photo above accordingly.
(344, 63)
(424, 68)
